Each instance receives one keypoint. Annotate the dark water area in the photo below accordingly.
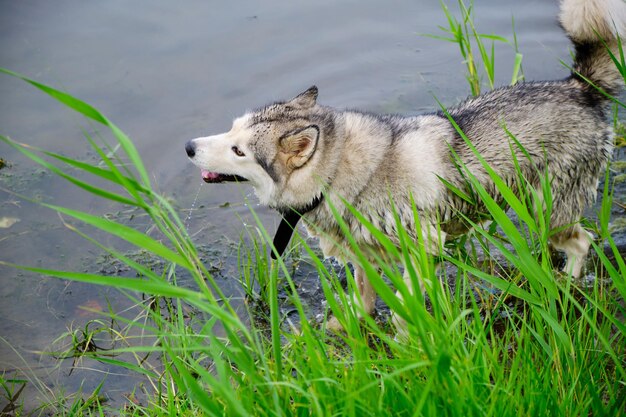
(166, 72)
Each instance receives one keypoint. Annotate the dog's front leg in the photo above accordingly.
(433, 238)
(365, 302)
(367, 296)
(398, 322)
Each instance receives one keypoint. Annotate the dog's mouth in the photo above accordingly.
(216, 177)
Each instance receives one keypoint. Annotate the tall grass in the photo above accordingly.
(509, 336)
(469, 39)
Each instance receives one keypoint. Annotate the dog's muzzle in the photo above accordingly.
(208, 176)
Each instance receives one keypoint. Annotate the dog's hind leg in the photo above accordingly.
(575, 242)
(573, 188)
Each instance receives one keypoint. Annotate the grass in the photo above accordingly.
(511, 336)
(463, 32)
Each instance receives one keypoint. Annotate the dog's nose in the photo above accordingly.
(190, 148)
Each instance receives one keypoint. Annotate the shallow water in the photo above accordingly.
(165, 74)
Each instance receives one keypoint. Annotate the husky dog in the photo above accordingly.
(302, 157)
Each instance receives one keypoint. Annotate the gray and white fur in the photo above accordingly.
(293, 152)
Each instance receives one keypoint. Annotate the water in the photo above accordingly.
(193, 206)
(166, 73)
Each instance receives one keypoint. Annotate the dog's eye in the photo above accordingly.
(237, 151)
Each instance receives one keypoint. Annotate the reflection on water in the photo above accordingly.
(166, 73)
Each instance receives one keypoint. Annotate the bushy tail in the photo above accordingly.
(594, 25)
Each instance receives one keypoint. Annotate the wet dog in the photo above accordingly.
(302, 157)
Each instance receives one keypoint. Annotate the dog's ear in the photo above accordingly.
(297, 147)
(304, 100)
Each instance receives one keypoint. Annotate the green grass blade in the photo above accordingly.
(517, 69)
(135, 284)
(85, 186)
(126, 233)
(97, 171)
(71, 102)
(93, 114)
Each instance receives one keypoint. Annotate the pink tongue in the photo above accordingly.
(209, 175)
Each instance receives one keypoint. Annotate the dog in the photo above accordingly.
(303, 158)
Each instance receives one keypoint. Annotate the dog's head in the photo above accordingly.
(274, 148)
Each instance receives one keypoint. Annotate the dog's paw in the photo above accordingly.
(334, 325)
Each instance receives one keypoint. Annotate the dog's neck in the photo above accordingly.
(288, 224)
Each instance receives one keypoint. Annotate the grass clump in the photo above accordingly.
(463, 32)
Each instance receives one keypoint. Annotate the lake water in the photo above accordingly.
(166, 72)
